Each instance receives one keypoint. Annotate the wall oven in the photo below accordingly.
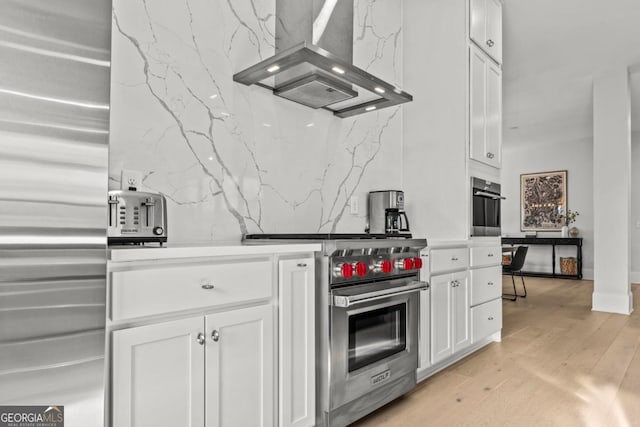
(485, 208)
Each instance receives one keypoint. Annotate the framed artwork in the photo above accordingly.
(543, 198)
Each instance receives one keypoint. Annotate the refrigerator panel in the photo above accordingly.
(54, 132)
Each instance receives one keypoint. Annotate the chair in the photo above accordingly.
(516, 267)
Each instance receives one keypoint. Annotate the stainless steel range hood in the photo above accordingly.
(313, 64)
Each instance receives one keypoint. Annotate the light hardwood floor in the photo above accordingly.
(559, 364)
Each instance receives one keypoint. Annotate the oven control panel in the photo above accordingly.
(359, 267)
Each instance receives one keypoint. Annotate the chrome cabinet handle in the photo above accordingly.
(206, 284)
(490, 43)
(489, 255)
(454, 258)
(302, 264)
(490, 155)
(215, 335)
(490, 283)
(200, 338)
(490, 318)
(455, 283)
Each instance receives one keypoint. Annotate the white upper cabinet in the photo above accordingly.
(485, 104)
(486, 26)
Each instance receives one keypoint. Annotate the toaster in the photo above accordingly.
(136, 217)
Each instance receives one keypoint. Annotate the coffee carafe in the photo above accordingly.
(385, 213)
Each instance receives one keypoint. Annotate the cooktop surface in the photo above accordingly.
(326, 236)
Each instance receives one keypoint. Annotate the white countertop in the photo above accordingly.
(203, 249)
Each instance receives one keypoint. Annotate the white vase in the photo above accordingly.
(565, 231)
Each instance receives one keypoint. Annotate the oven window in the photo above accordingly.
(377, 334)
(486, 212)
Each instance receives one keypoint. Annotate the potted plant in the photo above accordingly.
(568, 218)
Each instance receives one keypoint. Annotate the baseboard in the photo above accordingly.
(612, 303)
(634, 277)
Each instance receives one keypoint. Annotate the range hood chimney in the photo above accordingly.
(313, 64)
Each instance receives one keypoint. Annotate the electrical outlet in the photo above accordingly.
(353, 204)
(130, 179)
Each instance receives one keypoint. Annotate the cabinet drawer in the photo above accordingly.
(486, 284)
(486, 319)
(151, 291)
(486, 255)
(449, 259)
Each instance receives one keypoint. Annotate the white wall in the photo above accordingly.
(635, 207)
(435, 123)
(576, 157)
(233, 159)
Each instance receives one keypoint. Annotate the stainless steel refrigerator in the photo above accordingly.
(54, 124)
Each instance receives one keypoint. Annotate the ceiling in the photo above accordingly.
(552, 48)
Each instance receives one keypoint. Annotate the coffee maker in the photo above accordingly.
(385, 210)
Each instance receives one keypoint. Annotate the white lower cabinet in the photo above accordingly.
(486, 284)
(162, 372)
(424, 353)
(486, 319)
(219, 361)
(158, 375)
(450, 323)
(239, 368)
(297, 361)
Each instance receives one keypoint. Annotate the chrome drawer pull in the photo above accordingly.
(490, 283)
(200, 338)
(302, 264)
(454, 258)
(489, 255)
(490, 318)
(215, 335)
(206, 284)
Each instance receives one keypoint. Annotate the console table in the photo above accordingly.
(553, 242)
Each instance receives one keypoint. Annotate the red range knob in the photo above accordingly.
(346, 270)
(385, 266)
(417, 263)
(407, 263)
(361, 269)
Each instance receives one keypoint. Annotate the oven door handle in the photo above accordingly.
(490, 195)
(345, 301)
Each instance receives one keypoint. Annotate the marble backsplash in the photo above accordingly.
(233, 159)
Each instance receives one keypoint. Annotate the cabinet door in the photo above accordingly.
(486, 284)
(477, 21)
(441, 328)
(158, 375)
(477, 104)
(486, 319)
(239, 368)
(424, 356)
(493, 28)
(296, 379)
(493, 114)
(485, 109)
(460, 311)
(485, 26)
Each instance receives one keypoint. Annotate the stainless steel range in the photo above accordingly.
(368, 301)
